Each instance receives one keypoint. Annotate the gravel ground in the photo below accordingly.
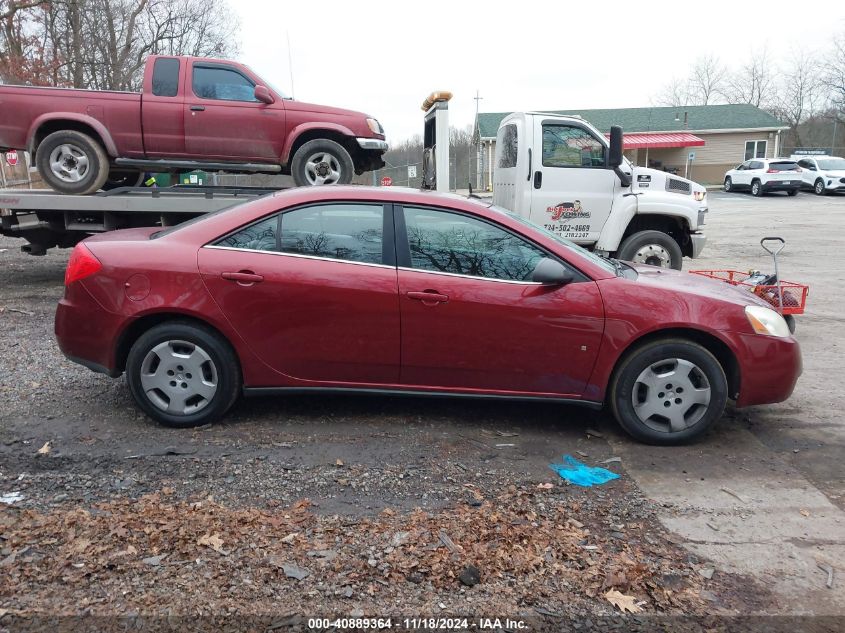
(117, 515)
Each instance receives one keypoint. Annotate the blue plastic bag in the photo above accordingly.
(582, 475)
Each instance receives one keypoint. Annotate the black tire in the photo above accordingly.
(756, 188)
(225, 372)
(95, 172)
(655, 431)
(636, 248)
(819, 188)
(123, 178)
(328, 157)
(792, 192)
(728, 184)
(790, 322)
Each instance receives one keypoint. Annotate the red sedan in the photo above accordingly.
(356, 289)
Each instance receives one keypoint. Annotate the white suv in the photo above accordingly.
(822, 174)
(762, 175)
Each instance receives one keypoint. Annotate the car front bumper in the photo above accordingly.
(372, 144)
(769, 368)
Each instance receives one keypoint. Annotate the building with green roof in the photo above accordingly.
(718, 137)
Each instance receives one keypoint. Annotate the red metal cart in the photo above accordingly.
(787, 297)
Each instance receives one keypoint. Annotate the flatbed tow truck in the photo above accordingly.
(48, 219)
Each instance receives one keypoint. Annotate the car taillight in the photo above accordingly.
(81, 264)
(772, 171)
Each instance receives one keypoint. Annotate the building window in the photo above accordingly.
(755, 149)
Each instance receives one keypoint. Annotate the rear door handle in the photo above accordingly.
(243, 277)
(428, 297)
(197, 108)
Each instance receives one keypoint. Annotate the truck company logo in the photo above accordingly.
(567, 211)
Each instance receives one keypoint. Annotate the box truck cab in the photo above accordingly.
(563, 174)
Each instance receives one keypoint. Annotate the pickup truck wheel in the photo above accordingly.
(183, 375)
(668, 392)
(322, 162)
(651, 247)
(72, 162)
(122, 178)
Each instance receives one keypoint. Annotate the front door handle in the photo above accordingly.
(538, 179)
(197, 108)
(429, 297)
(243, 277)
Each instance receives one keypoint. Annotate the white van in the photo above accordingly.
(562, 173)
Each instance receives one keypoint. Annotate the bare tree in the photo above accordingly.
(754, 82)
(707, 80)
(835, 78)
(103, 44)
(801, 94)
(675, 93)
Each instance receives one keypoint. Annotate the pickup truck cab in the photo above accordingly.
(561, 173)
(193, 113)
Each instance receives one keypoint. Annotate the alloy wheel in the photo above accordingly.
(322, 168)
(69, 163)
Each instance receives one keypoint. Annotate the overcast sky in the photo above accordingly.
(383, 58)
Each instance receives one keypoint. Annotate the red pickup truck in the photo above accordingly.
(193, 113)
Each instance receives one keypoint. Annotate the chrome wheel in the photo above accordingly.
(322, 168)
(671, 395)
(179, 377)
(653, 255)
(819, 188)
(728, 184)
(755, 189)
(69, 163)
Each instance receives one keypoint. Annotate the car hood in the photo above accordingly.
(322, 109)
(691, 284)
(836, 173)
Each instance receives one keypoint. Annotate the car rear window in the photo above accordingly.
(783, 166)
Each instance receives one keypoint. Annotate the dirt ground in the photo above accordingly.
(379, 506)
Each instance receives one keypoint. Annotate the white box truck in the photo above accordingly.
(562, 173)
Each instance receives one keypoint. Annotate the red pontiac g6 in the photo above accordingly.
(356, 289)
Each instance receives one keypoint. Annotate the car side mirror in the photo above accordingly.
(616, 145)
(550, 272)
(262, 93)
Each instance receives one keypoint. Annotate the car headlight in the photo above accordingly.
(375, 126)
(698, 196)
(766, 321)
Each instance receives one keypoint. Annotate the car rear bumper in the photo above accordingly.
(777, 185)
(82, 327)
(769, 368)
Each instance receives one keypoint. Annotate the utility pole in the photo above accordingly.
(478, 98)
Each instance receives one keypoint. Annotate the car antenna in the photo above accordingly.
(471, 194)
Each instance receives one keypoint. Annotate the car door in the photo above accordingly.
(473, 321)
(740, 175)
(809, 171)
(313, 291)
(224, 120)
(162, 109)
(756, 171)
(572, 188)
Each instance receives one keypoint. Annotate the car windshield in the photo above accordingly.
(832, 163)
(571, 246)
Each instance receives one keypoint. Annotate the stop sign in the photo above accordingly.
(387, 181)
(12, 158)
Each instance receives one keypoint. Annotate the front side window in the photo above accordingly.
(351, 232)
(213, 82)
(571, 146)
(507, 146)
(166, 77)
(446, 242)
(755, 149)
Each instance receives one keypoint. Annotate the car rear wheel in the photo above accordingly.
(651, 247)
(668, 392)
(819, 188)
(72, 162)
(756, 188)
(182, 374)
(792, 192)
(322, 162)
(728, 183)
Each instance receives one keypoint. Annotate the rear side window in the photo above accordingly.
(225, 84)
(166, 77)
(755, 164)
(351, 232)
(783, 166)
(446, 242)
(261, 236)
(507, 146)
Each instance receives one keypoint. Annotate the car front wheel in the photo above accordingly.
(182, 374)
(322, 162)
(668, 392)
(819, 187)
